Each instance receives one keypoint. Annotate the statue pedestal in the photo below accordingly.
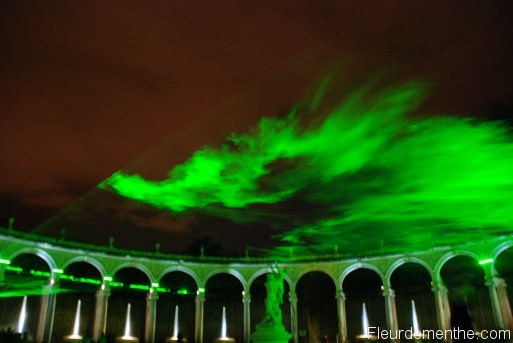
(271, 334)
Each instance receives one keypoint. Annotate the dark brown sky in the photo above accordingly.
(91, 87)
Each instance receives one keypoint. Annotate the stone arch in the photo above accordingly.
(182, 269)
(500, 248)
(443, 260)
(309, 270)
(405, 260)
(138, 266)
(38, 252)
(229, 271)
(86, 259)
(356, 266)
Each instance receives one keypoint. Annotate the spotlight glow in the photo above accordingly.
(127, 323)
(23, 315)
(223, 325)
(175, 327)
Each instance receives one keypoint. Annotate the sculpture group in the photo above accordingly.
(271, 328)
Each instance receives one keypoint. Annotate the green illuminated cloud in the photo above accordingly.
(374, 174)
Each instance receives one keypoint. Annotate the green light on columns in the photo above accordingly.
(201, 290)
(486, 261)
(58, 271)
(39, 273)
(141, 287)
(14, 269)
(155, 284)
(107, 278)
(2, 261)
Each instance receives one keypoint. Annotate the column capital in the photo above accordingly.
(152, 295)
(438, 286)
(292, 297)
(246, 297)
(388, 292)
(495, 281)
(340, 295)
(103, 292)
(200, 296)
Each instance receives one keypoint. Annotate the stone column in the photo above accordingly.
(246, 299)
(391, 311)
(293, 316)
(443, 309)
(198, 331)
(151, 316)
(2, 272)
(500, 303)
(47, 312)
(341, 314)
(100, 311)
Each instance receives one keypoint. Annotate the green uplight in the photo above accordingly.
(58, 271)
(155, 284)
(486, 261)
(107, 278)
(183, 291)
(201, 290)
(2, 261)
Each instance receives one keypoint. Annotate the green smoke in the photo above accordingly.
(366, 173)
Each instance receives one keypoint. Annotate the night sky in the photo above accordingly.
(90, 88)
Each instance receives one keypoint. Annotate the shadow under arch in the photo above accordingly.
(181, 269)
(445, 258)
(223, 289)
(39, 253)
(360, 265)
(504, 270)
(317, 307)
(79, 282)
(402, 261)
(229, 271)
(499, 249)
(89, 260)
(28, 275)
(177, 293)
(469, 297)
(130, 286)
(139, 266)
(363, 285)
(411, 283)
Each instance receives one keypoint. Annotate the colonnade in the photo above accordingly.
(247, 271)
(497, 290)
